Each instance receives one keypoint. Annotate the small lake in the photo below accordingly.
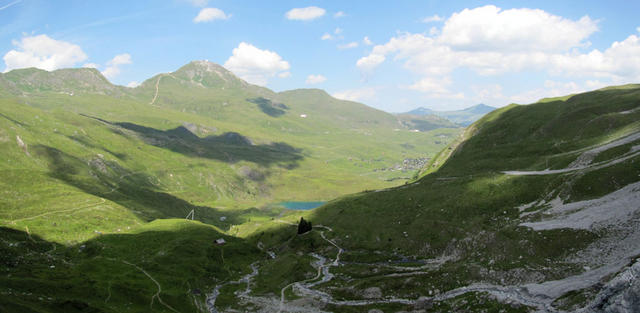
(301, 205)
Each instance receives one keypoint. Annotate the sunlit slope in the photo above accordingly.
(88, 149)
(537, 201)
(468, 192)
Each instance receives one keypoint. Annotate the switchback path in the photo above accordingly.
(102, 201)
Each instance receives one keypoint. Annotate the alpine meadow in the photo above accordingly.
(223, 156)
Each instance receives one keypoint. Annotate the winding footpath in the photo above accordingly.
(585, 159)
(211, 299)
(538, 296)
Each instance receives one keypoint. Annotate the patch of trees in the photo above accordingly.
(304, 226)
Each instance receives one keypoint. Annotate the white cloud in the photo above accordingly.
(284, 75)
(619, 62)
(370, 62)
(113, 66)
(111, 72)
(491, 28)
(436, 88)
(594, 84)
(433, 18)
(90, 65)
(315, 79)
(133, 84)
(336, 32)
(210, 14)
(367, 41)
(255, 65)
(638, 29)
(44, 53)
(305, 14)
(492, 41)
(351, 45)
(339, 14)
(359, 94)
(120, 59)
(491, 93)
(432, 85)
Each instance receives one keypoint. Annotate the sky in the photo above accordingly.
(391, 55)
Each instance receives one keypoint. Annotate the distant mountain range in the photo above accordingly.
(461, 117)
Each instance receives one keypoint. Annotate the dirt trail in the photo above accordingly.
(595, 213)
(155, 96)
(585, 159)
(211, 299)
(539, 296)
(591, 167)
(157, 294)
(61, 211)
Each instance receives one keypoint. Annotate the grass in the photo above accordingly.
(103, 274)
(467, 194)
(91, 190)
(466, 208)
(101, 189)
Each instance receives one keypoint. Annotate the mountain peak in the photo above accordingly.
(208, 65)
(67, 80)
(206, 73)
(462, 117)
(480, 109)
(420, 111)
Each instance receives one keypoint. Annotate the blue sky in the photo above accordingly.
(438, 54)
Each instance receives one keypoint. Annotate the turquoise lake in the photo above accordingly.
(301, 205)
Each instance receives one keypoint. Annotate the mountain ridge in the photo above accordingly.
(462, 117)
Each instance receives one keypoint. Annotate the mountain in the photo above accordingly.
(537, 204)
(202, 132)
(462, 117)
(32, 81)
(168, 198)
(97, 180)
(425, 122)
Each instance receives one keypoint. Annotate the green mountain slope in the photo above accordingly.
(532, 208)
(502, 207)
(210, 142)
(87, 163)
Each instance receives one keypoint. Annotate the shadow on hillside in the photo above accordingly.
(134, 190)
(268, 107)
(78, 278)
(85, 142)
(229, 147)
(12, 120)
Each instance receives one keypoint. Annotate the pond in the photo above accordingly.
(301, 205)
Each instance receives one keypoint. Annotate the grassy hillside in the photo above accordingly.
(470, 182)
(210, 143)
(470, 210)
(134, 272)
(89, 166)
